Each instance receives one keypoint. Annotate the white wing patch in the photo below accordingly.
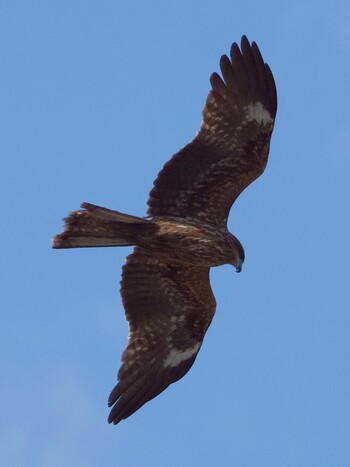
(175, 356)
(257, 112)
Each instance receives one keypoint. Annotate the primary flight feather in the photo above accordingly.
(165, 284)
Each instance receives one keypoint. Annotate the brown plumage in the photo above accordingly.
(165, 282)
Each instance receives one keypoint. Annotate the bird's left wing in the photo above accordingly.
(230, 150)
(169, 310)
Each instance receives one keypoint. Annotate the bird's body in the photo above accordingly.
(182, 241)
(165, 282)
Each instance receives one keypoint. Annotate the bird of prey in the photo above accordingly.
(165, 284)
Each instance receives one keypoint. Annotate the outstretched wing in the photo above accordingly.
(169, 310)
(230, 150)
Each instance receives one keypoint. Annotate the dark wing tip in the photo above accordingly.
(244, 43)
(235, 52)
(217, 84)
(247, 76)
(130, 395)
(272, 89)
(114, 395)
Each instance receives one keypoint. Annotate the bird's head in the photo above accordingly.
(237, 254)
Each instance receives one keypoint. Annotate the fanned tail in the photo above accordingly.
(94, 226)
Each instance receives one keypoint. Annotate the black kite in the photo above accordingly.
(165, 282)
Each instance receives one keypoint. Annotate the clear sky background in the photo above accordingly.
(95, 97)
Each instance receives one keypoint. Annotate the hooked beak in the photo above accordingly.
(239, 265)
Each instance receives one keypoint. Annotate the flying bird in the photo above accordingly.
(165, 284)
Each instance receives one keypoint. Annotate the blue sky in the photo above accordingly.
(95, 97)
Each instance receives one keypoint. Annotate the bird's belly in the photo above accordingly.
(188, 245)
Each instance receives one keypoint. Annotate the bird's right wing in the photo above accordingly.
(169, 310)
(230, 150)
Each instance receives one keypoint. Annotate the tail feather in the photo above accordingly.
(105, 213)
(94, 226)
